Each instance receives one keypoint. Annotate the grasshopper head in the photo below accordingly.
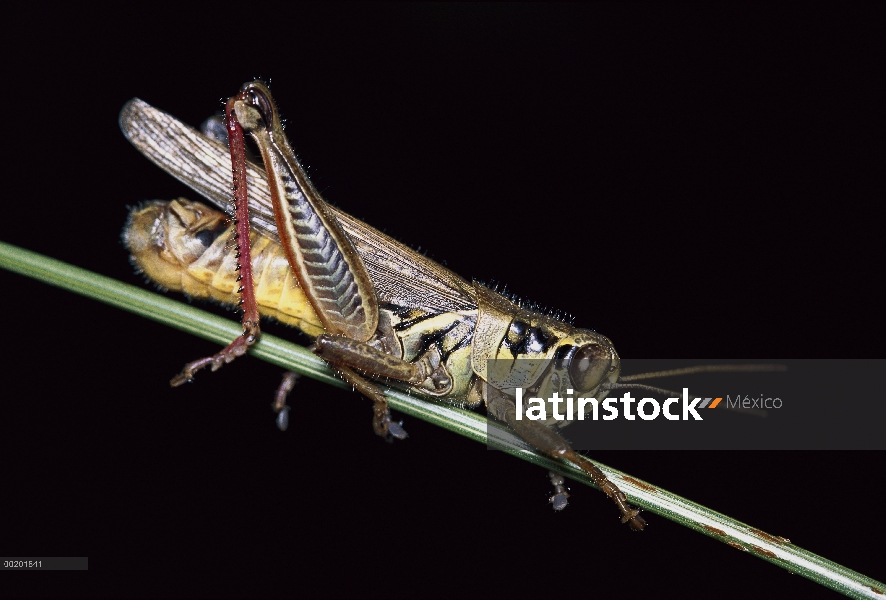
(580, 363)
(164, 238)
(514, 347)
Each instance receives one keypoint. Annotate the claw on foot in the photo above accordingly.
(630, 515)
(386, 428)
(279, 405)
(396, 430)
(283, 418)
(233, 350)
(559, 500)
(636, 523)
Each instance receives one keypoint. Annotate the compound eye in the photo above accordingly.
(589, 366)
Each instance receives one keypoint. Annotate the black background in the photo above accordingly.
(693, 182)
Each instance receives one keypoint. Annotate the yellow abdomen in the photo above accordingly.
(168, 242)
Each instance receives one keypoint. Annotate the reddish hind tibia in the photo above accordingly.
(250, 318)
(241, 219)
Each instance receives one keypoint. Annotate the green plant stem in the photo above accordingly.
(296, 358)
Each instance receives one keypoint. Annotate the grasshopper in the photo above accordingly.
(377, 309)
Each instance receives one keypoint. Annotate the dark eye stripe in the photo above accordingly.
(563, 354)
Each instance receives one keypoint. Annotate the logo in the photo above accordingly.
(647, 409)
